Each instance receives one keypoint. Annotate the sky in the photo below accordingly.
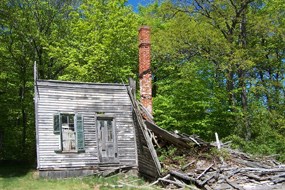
(135, 3)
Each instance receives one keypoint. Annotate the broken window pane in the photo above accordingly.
(68, 133)
(110, 131)
(64, 119)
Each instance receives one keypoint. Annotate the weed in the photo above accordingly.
(23, 178)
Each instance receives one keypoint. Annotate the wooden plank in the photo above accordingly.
(146, 112)
(132, 84)
(165, 134)
(80, 84)
(204, 171)
(185, 177)
(143, 135)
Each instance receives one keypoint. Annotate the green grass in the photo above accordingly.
(19, 177)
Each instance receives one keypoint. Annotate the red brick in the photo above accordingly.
(145, 75)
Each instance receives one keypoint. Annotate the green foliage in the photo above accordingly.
(268, 136)
(24, 178)
(216, 68)
(165, 153)
(171, 155)
(189, 101)
(219, 67)
(217, 154)
(94, 41)
(100, 46)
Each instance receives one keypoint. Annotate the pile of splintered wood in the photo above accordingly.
(235, 170)
(222, 168)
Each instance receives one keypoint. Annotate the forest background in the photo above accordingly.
(218, 65)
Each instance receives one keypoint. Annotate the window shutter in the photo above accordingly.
(79, 132)
(56, 123)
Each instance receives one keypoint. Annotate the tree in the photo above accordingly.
(88, 40)
(101, 46)
(26, 29)
(241, 45)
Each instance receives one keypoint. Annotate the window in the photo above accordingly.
(69, 127)
(106, 129)
(110, 131)
(68, 135)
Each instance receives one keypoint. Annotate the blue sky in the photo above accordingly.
(135, 3)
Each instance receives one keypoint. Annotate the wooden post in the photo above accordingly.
(218, 141)
(132, 84)
(36, 110)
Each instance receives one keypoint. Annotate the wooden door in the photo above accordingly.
(107, 145)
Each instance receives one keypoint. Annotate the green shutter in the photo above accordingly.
(56, 123)
(79, 132)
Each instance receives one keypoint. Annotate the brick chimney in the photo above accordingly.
(144, 68)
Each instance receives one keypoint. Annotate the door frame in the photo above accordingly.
(113, 118)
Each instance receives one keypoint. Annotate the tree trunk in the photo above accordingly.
(24, 130)
(241, 74)
(23, 89)
(230, 87)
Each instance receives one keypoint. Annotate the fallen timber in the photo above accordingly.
(235, 170)
(228, 176)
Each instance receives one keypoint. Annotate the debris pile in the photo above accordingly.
(188, 161)
(227, 170)
(192, 161)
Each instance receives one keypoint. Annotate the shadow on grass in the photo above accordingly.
(9, 169)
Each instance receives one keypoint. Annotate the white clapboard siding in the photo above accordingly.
(86, 99)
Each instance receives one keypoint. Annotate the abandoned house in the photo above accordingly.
(83, 128)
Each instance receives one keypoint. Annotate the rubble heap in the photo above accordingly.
(188, 160)
(224, 169)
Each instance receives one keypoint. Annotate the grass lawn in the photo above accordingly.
(19, 177)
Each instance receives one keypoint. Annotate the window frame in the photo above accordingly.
(58, 131)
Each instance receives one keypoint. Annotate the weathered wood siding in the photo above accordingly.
(148, 163)
(87, 99)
